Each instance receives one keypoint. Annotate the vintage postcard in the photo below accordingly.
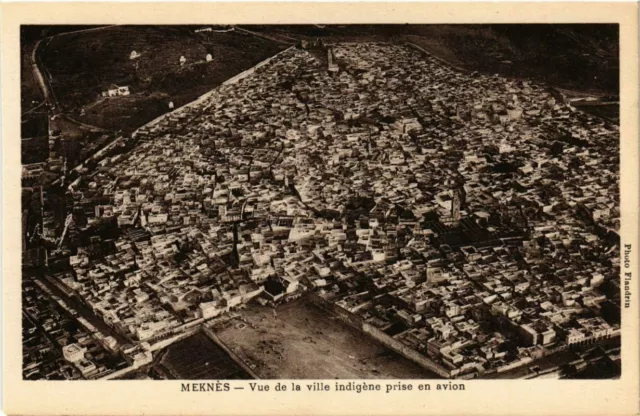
(322, 208)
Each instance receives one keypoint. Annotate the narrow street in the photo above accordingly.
(84, 311)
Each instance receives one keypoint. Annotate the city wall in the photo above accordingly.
(186, 332)
(345, 316)
(119, 373)
(100, 153)
(405, 351)
(358, 323)
(515, 364)
(251, 70)
(209, 332)
(209, 94)
(263, 36)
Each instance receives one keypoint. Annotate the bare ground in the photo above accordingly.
(302, 341)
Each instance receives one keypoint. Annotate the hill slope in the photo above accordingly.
(82, 65)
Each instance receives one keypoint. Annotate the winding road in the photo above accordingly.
(39, 77)
(43, 78)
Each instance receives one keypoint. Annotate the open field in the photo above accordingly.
(302, 341)
(82, 65)
(199, 358)
(565, 55)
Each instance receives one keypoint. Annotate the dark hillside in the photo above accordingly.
(82, 65)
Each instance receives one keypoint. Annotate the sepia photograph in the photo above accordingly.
(343, 202)
(289, 209)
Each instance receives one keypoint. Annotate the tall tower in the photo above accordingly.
(462, 193)
(332, 64)
(455, 206)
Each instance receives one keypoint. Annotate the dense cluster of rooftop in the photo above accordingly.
(55, 347)
(470, 217)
